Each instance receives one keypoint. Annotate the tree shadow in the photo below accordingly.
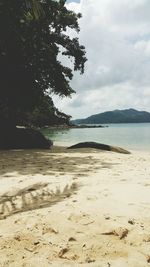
(54, 162)
(48, 162)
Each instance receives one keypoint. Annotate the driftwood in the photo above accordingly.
(32, 197)
(8, 196)
(99, 146)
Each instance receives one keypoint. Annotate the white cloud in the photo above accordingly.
(143, 47)
(116, 34)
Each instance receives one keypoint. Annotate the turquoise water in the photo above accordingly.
(130, 136)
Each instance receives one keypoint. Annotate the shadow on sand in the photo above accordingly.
(48, 162)
(52, 163)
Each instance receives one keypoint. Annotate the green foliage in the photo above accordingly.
(32, 35)
(45, 114)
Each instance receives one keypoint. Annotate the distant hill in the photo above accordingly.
(116, 116)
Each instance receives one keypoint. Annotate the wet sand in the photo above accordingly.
(74, 208)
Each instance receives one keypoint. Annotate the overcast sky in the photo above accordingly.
(116, 34)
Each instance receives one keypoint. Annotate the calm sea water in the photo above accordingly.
(134, 136)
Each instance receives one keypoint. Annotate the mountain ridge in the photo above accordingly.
(116, 116)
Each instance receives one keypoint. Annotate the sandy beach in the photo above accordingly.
(84, 207)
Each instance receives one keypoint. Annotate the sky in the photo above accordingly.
(76, 1)
(116, 35)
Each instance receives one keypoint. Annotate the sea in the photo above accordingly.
(133, 136)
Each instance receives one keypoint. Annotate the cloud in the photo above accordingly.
(118, 96)
(116, 35)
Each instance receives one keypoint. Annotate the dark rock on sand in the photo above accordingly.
(23, 138)
(99, 146)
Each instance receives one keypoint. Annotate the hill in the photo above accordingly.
(116, 116)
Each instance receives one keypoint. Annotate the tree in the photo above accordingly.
(32, 35)
(45, 114)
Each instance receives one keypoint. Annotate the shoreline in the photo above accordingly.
(73, 126)
(94, 210)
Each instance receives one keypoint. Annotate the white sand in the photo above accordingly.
(95, 210)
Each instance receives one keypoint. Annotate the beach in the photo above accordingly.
(81, 207)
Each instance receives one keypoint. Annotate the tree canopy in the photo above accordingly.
(33, 33)
(45, 114)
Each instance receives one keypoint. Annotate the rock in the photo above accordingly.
(120, 232)
(107, 217)
(36, 243)
(89, 260)
(131, 221)
(71, 239)
(99, 146)
(49, 230)
(62, 252)
(23, 138)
